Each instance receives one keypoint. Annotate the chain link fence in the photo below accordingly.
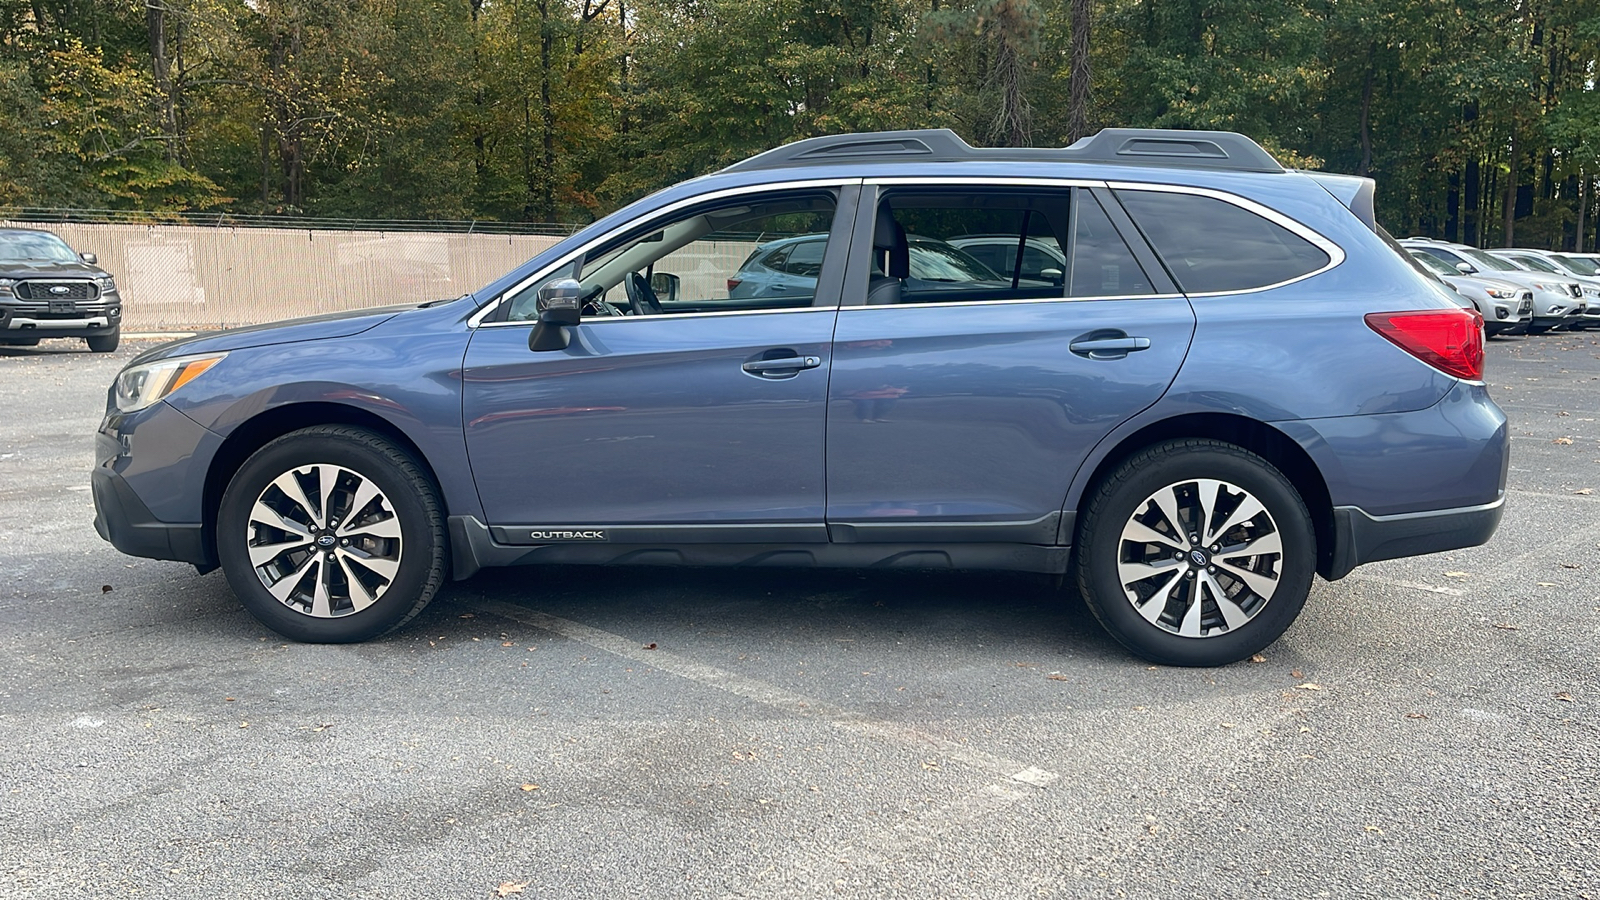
(193, 277)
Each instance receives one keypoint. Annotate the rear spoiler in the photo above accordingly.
(1353, 191)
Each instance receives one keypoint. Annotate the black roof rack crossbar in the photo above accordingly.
(1162, 147)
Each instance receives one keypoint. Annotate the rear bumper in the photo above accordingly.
(122, 518)
(1361, 538)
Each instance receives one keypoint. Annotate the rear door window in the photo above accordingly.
(1213, 246)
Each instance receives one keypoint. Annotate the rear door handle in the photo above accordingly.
(1108, 347)
(782, 364)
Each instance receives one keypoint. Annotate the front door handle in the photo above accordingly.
(1101, 345)
(784, 364)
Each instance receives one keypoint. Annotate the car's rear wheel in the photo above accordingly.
(1195, 553)
(332, 534)
(104, 343)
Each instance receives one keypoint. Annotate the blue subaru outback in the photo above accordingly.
(1235, 383)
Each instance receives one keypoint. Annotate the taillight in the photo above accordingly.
(733, 283)
(1450, 340)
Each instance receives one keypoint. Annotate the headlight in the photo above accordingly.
(140, 386)
(8, 287)
(106, 283)
(1501, 293)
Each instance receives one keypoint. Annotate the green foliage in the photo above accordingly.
(1462, 110)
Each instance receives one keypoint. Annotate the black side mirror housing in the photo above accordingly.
(560, 308)
(89, 258)
(665, 286)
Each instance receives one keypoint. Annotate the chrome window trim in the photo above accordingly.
(488, 309)
(672, 317)
(1336, 254)
(943, 305)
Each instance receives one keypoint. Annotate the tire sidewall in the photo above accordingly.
(1153, 470)
(421, 535)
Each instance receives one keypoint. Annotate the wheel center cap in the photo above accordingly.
(1198, 557)
(326, 540)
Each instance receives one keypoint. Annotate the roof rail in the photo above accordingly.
(1162, 147)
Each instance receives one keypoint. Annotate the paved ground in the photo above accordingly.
(1428, 728)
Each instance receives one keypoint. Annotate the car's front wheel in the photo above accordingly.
(1195, 553)
(332, 534)
(104, 343)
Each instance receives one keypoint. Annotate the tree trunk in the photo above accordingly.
(1080, 77)
(155, 22)
(1365, 169)
(1513, 176)
(547, 114)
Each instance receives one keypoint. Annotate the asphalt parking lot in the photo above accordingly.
(1427, 729)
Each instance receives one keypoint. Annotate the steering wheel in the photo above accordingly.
(640, 297)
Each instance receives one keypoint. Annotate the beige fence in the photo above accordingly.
(181, 277)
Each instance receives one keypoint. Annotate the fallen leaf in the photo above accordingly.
(1564, 697)
(1227, 724)
(507, 888)
(1375, 828)
(1571, 566)
(650, 646)
(1416, 716)
(1563, 414)
(1258, 658)
(467, 616)
(1562, 440)
(1507, 626)
(1455, 575)
(1295, 673)
(930, 766)
(105, 588)
(1308, 686)
(323, 726)
(1026, 665)
(1056, 676)
(1584, 491)
(530, 786)
(227, 699)
(1545, 583)
(244, 724)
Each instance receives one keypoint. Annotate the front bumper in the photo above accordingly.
(1360, 538)
(122, 518)
(28, 323)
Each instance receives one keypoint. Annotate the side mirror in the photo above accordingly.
(560, 307)
(665, 286)
(1466, 268)
(1052, 275)
(89, 258)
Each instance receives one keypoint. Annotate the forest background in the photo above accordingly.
(1480, 119)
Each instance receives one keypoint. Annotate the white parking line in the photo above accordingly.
(771, 695)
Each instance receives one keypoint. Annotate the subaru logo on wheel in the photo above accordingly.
(1198, 556)
(60, 289)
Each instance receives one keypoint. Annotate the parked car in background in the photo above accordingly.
(1551, 264)
(1042, 259)
(789, 267)
(1557, 301)
(1248, 387)
(49, 291)
(1506, 307)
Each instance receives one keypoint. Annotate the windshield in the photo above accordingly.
(1433, 264)
(1578, 264)
(932, 261)
(1485, 260)
(1538, 265)
(35, 247)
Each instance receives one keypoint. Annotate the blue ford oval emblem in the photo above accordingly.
(60, 289)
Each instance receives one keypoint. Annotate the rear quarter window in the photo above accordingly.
(1212, 246)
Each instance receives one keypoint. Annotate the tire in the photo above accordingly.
(1126, 550)
(104, 343)
(387, 563)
